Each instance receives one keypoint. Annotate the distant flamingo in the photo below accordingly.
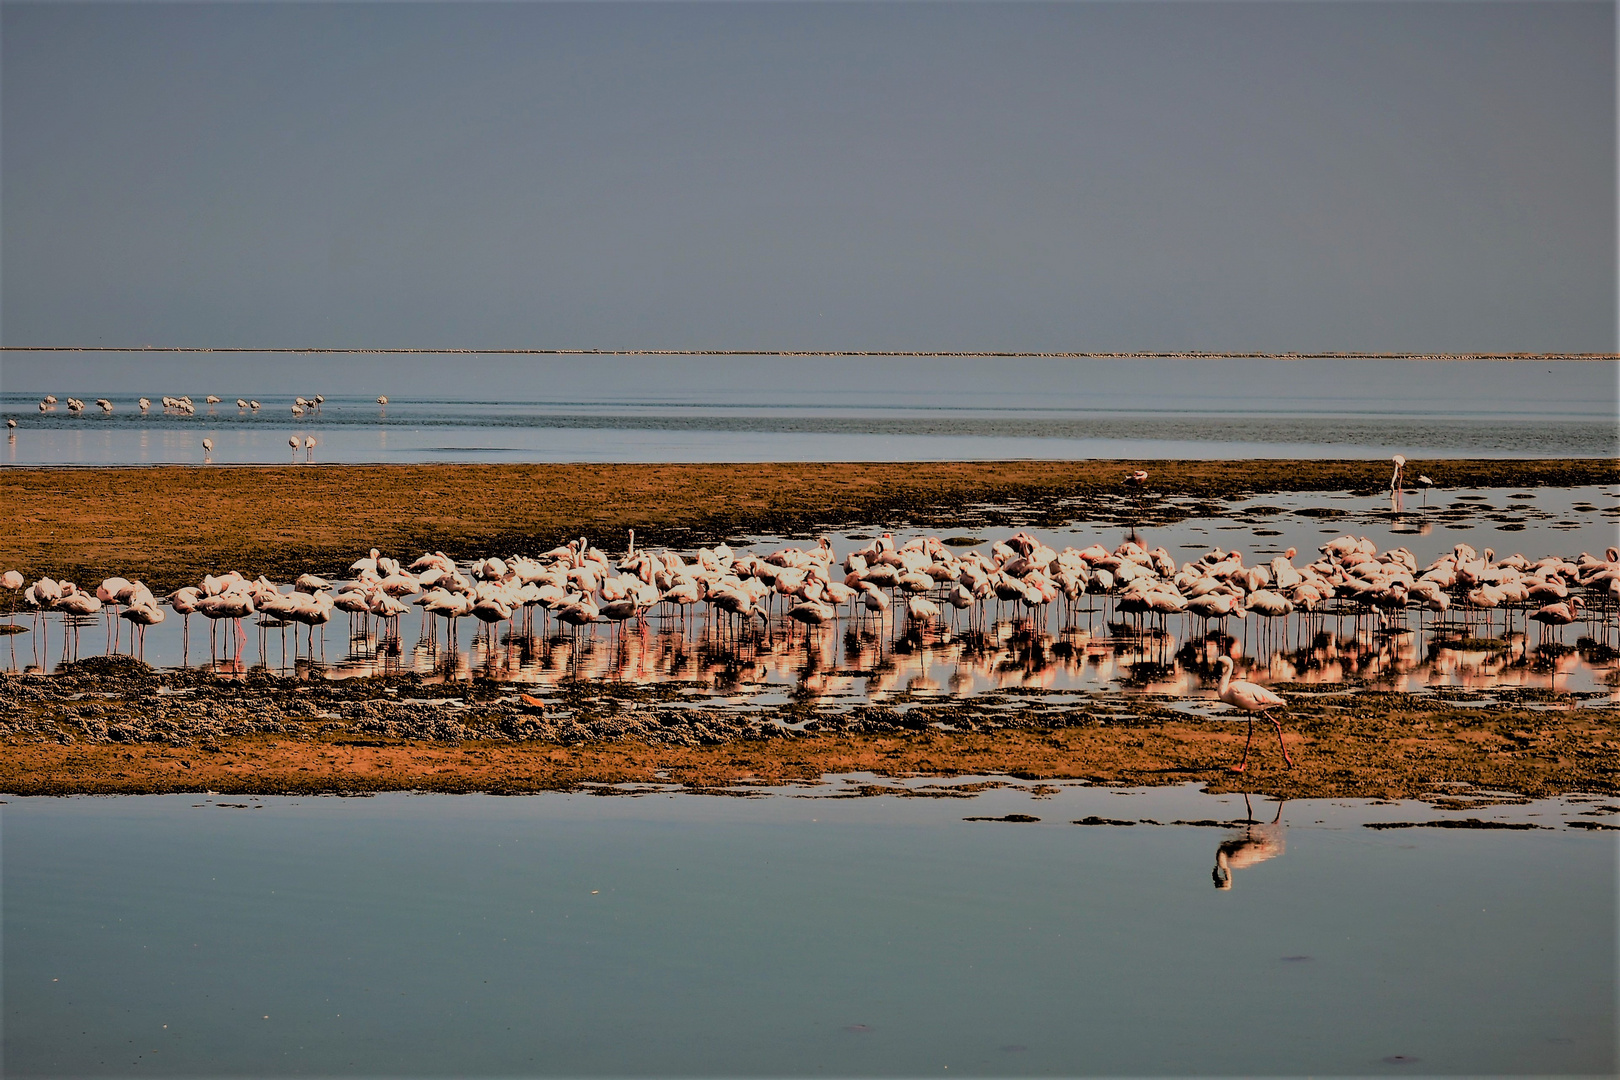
(208, 450)
(293, 442)
(1251, 698)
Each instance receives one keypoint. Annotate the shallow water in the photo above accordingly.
(818, 409)
(1087, 648)
(674, 934)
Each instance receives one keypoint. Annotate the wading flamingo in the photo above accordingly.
(1251, 698)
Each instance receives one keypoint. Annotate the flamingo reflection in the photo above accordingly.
(1254, 843)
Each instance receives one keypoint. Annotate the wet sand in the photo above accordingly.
(169, 525)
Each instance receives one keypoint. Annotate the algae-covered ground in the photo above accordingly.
(112, 725)
(169, 525)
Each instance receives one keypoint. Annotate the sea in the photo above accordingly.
(815, 408)
(980, 926)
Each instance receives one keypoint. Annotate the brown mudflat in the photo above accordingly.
(114, 726)
(168, 525)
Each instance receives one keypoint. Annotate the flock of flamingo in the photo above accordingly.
(918, 583)
(578, 585)
(185, 406)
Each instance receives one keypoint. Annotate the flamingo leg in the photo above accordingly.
(1239, 767)
(1280, 744)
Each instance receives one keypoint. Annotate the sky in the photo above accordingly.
(1434, 176)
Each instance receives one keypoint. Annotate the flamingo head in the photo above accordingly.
(1222, 874)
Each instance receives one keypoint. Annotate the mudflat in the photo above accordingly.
(110, 725)
(169, 525)
(116, 726)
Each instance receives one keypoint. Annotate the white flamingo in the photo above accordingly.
(1251, 698)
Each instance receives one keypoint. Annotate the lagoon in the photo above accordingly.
(797, 932)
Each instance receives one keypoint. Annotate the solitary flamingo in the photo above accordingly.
(1424, 483)
(208, 450)
(1251, 698)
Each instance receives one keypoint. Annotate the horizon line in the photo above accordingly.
(926, 353)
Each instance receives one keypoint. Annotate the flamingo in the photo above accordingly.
(1558, 615)
(208, 450)
(293, 442)
(382, 400)
(309, 449)
(13, 581)
(1251, 698)
(76, 603)
(316, 611)
(140, 617)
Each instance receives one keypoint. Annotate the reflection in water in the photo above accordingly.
(1254, 843)
(1085, 646)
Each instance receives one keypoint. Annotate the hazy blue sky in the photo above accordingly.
(1350, 175)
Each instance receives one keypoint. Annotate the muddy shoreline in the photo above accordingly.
(113, 726)
(169, 525)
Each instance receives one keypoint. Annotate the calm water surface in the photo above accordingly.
(671, 934)
(814, 409)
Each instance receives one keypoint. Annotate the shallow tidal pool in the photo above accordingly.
(938, 928)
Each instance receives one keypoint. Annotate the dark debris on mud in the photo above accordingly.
(116, 699)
